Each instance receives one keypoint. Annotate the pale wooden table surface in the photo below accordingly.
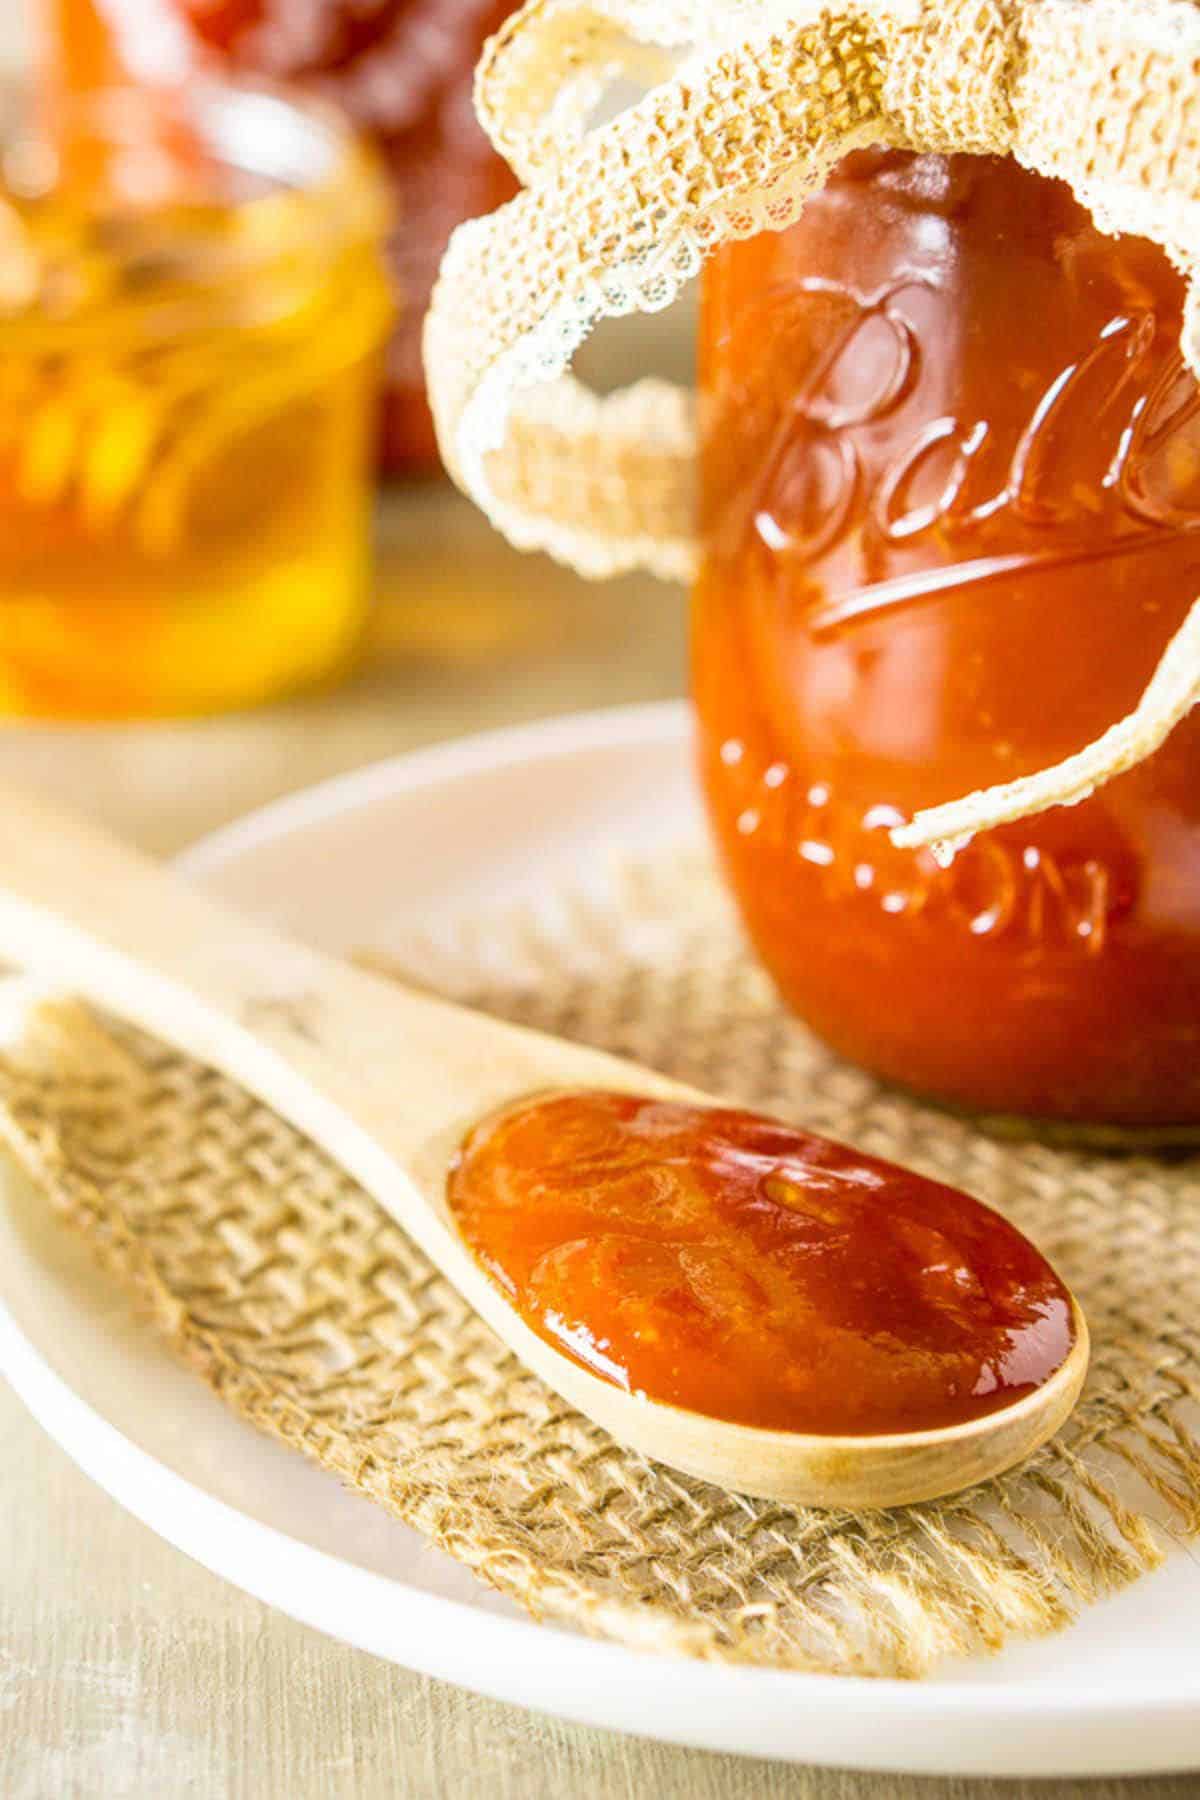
(124, 1669)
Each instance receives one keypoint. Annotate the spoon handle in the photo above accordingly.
(384, 1079)
(387, 1081)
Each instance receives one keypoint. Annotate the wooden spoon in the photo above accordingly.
(388, 1082)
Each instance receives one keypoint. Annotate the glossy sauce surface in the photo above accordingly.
(729, 1264)
(951, 516)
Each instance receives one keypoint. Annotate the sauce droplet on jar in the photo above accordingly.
(729, 1264)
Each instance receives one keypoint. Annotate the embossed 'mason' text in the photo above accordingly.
(995, 890)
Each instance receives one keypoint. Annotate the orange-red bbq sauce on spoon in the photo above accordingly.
(726, 1263)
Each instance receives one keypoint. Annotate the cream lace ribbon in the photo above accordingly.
(750, 104)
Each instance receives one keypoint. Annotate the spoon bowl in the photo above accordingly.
(388, 1081)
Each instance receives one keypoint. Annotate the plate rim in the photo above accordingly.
(450, 759)
(201, 1525)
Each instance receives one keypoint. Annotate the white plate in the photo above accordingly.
(342, 865)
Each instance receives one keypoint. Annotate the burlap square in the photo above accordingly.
(302, 1304)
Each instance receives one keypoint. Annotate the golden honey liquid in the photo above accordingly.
(255, 583)
(186, 406)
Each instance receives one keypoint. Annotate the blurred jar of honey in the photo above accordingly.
(402, 71)
(193, 306)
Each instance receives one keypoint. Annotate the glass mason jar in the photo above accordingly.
(192, 309)
(402, 70)
(951, 516)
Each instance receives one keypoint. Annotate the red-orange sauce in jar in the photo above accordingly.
(951, 516)
(729, 1264)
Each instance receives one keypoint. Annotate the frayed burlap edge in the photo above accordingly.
(310, 1314)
